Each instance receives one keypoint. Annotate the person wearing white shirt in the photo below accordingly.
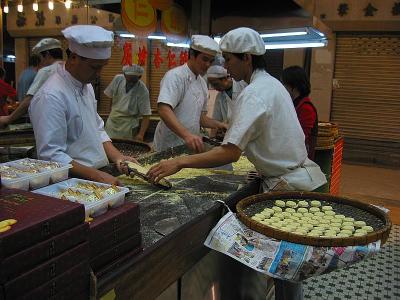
(51, 54)
(228, 91)
(182, 102)
(130, 102)
(264, 127)
(63, 112)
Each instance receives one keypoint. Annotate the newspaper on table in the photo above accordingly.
(281, 259)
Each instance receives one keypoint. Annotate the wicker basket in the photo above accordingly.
(369, 213)
(131, 148)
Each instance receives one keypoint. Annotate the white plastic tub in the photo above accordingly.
(20, 182)
(92, 207)
(56, 173)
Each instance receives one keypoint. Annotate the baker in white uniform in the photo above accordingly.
(264, 126)
(182, 102)
(64, 114)
(130, 102)
(228, 91)
(51, 55)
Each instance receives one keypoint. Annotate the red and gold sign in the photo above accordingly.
(174, 23)
(138, 16)
(161, 4)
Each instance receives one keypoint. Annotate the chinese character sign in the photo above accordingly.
(142, 56)
(171, 59)
(127, 58)
(158, 59)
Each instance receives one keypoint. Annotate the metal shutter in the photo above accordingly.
(366, 104)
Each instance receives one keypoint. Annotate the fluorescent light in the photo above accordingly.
(127, 35)
(10, 56)
(67, 4)
(35, 6)
(157, 37)
(217, 39)
(278, 34)
(179, 45)
(5, 8)
(20, 8)
(294, 45)
(51, 5)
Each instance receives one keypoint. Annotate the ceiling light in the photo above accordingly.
(156, 37)
(279, 34)
(5, 8)
(179, 45)
(51, 5)
(20, 7)
(294, 45)
(68, 4)
(35, 6)
(127, 35)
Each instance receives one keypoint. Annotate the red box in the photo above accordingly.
(38, 218)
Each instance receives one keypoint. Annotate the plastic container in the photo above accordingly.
(20, 182)
(92, 207)
(57, 174)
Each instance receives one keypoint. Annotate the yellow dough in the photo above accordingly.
(291, 204)
(359, 223)
(368, 228)
(329, 213)
(277, 209)
(314, 209)
(303, 203)
(280, 203)
(315, 203)
(326, 208)
(291, 210)
(302, 210)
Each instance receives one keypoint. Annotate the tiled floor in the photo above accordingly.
(376, 278)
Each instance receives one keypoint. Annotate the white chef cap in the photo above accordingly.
(217, 72)
(133, 70)
(242, 40)
(46, 44)
(89, 41)
(205, 44)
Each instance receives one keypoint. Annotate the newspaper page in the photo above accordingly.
(281, 259)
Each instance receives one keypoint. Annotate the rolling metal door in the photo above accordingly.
(366, 103)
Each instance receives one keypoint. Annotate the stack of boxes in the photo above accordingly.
(114, 237)
(45, 253)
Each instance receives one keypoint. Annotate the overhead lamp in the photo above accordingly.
(51, 5)
(178, 45)
(67, 4)
(20, 7)
(156, 36)
(10, 56)
(294, 45)
(127, 35)
(5, 8)
(279, 34)
(35, 6)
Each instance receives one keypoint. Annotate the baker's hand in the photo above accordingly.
(104, 177)
(139, 138)
(4, 121)
(195, 143)
(120, 165)
(163, 169)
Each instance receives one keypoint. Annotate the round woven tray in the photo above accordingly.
(131, 148)
(372, 215)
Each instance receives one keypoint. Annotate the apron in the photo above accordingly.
(306, 177)
(164, 138)
(88, 148)
(122, 120)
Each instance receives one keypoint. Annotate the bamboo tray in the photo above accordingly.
(372, 215)
(130, 147)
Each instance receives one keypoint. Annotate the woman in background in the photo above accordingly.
(296, 82)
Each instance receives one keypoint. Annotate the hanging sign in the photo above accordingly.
(127, 58)
(138, 17)
(174, 23)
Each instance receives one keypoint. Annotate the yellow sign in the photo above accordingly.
(139, 12)
(174, 21)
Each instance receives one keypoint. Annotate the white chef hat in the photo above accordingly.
(89, 41)
(205, 44)
(46, 44)
(133, 70)
(217, 72)
(242, 40)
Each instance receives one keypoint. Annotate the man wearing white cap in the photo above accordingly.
(228, 88)
(264, 126)
(182, 102)
(130, 101)
(64, 114)
(51, 55)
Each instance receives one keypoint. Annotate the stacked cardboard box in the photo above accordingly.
(45, 254)
(113, 236)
